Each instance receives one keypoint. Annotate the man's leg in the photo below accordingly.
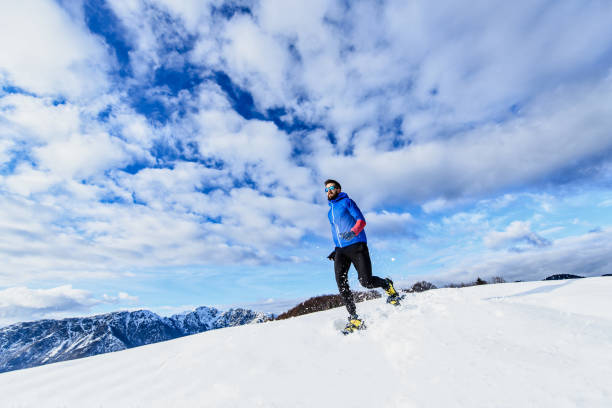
(360, 257)
(341, 266)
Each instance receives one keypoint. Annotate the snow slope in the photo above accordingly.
(31, 344)
(531, 344)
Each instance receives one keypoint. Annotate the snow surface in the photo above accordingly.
(530, 344)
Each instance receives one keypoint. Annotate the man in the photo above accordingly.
(347, 224)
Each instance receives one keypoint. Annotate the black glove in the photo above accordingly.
(332, 256)
(347, 236)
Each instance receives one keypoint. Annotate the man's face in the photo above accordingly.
(332, 192)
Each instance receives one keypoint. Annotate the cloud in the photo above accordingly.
(63, 238)
(165, 133)
(334, 68)
(436, 205)
(82, 156)
(489, 158)
(584, 255)
(33, 120)
(606, 203)
(5, 147)
(22, 303)
(387, 224)
(121, 297)
(516, 232)
(437, 67)
(66, 142)
(46, 52)
(258, 58)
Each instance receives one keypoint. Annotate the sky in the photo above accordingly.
(170, 154)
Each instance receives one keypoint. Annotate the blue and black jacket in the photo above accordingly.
(345, 216)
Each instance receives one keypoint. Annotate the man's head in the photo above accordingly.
(332, 189)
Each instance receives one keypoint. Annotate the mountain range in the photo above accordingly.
(31, 344)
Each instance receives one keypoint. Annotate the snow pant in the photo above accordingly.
(359, 256)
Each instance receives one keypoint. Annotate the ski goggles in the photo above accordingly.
(330, 188)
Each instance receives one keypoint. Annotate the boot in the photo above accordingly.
(354, 324)
(392, 296)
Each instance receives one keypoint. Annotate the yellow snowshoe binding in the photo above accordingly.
(393, 297)
(354, 324)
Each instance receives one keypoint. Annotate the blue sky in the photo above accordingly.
(165, 155)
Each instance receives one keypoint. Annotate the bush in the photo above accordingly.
(423, 286)
(325, 302)
(562, 276)
(465, 285)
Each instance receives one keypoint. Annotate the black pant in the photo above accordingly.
(359, 256)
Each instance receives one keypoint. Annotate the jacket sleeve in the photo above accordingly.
(358, 216)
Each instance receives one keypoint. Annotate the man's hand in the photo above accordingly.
(332, 256)
(347, 236)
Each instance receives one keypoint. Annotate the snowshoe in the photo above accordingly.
(353, 325)
(393, 298)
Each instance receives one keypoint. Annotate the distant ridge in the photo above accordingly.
(562, 276)
(31, 344)
(325, 302)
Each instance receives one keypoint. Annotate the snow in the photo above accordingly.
(528, 344)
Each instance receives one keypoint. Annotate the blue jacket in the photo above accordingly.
(343, 214)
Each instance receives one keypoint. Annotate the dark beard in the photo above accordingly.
(333, 197)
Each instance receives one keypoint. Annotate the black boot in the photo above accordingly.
(393, 297)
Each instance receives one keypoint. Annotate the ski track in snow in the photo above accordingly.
(528, 344)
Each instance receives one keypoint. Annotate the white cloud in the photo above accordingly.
(65, 237)
(435, 205)
(81, 156)
(258, 58)
(357, 75)
(606, 203)
(583, 255)
(429, 103)
(487, 159)
(57, 146)
(254, 149)
(59, 298)
(33, 120)
(155, 30)
(25, 181)
(24, 304)
(45, 52)
(5, 146)
(194, 13)
(386, 224)
(121, 297)
(516, 232)
(465, 218)
(164, 188)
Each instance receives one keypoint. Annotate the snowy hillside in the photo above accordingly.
(531, 344)
(31, 344)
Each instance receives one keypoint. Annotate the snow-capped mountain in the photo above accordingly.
(41, 342)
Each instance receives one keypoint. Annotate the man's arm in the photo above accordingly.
(356, 213)
(359, 224)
